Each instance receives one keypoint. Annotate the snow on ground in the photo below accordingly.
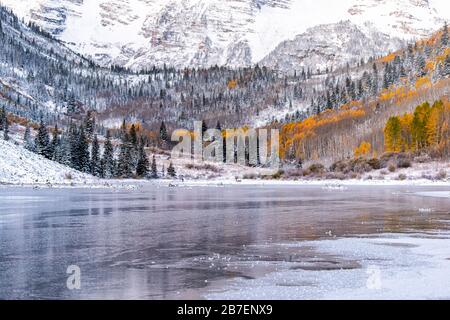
(390, 267)
(20, 166)
(420, 174)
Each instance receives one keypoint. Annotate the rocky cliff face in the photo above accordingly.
(330, 46)
(142, 33)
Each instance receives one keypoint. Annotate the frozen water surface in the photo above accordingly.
(262, 242)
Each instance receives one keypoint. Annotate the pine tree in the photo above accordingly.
(375, 80)
(95, 158)
(5, 128)
(64, 155)
(72, 106)
(171, 171)
(154, 173)
(73, 139)
(163, 136)
(133, 136)
(143, 163)
(83, 151)
(42, 141)
(2, 118)
(421, 66)
(53, 147)
(108, 158)
(89, 123)
(124, 169)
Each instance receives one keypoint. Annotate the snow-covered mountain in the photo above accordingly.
(330, 46)
(141, 33)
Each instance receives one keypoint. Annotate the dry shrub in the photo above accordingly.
(392, 167)
(317, 168)
(205, 166)
(404, 163)
(293, 173)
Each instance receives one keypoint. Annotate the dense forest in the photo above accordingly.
(390, 86)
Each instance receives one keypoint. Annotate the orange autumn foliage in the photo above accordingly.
(232, 84)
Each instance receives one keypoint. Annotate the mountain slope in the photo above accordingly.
(41, 78)
(142, 33)
(20, 166)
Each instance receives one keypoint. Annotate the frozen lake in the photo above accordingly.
(228, 242)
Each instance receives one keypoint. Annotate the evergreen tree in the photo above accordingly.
(83, 151)
(5, 128)
(134, 143)
(73, 139)
(64, 155)
(375, 80)
(2, 118)
(133, 136)
(163, 136)
(171, 171)
(421, 66)
(96, 169)
(154, 173)
(42, 141)
(89, 123)
(124, 167)
(143, 163)
(108, 158)
(72, 106)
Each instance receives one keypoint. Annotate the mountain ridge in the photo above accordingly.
(197, 33)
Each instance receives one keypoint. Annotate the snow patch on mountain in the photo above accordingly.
(331, 46)
(141, 33)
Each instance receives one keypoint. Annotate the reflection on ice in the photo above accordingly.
(197, 242)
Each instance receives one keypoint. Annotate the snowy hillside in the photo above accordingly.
(20, 166)
(140, 33)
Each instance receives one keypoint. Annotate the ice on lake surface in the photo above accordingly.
(245, 242)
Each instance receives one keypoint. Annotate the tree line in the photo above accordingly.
(80, 148)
